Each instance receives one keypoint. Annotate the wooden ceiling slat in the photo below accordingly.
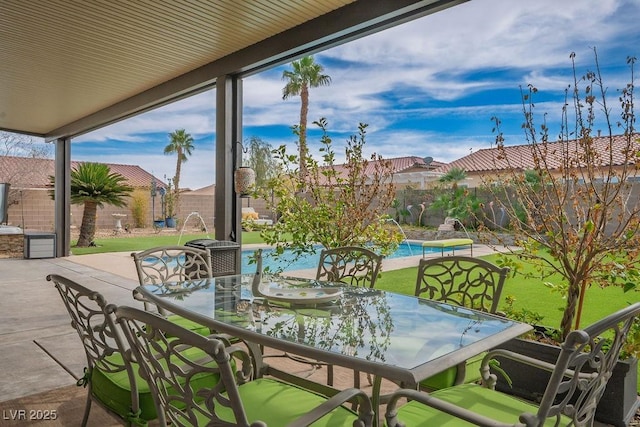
(62, 60)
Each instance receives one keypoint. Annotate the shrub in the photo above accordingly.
(140, 208)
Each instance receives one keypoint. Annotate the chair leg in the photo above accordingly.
(356, 379)
(330, 375)
(87, 409)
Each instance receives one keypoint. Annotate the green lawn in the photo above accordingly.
(530, 294)
(138, 243)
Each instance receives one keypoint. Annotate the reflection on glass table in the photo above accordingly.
(389, 335)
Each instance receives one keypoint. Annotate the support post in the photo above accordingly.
(62, 194)
(228, 131)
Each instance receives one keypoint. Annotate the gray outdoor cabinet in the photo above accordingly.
(39, 244)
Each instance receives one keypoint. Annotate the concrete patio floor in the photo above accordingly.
(42, 357)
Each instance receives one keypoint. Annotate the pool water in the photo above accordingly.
(285, 262)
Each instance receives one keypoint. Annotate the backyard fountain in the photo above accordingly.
(456, 220)
(403, 233)
(418, 221)
(411, 216)
(503, 219)
(197, 215)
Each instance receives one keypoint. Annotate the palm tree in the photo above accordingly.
(453, 176)
(181, 143)
(94, 185)
(306, 73)
(455, 201)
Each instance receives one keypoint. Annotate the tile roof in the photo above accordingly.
(209, 190)
(29, 172)
(399, 165)
(519, 156)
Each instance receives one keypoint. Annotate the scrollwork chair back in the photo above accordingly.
(464, 281)
(105, 352)
(172, 264)
(352, 265)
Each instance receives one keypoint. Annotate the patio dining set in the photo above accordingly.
(195, 352)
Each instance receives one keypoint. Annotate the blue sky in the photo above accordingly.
(425, 88)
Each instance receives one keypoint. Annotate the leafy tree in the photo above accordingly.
(306, 73)
(181, 144)
(345, 205)
(573, 212)
(94, 185)
(261, 160)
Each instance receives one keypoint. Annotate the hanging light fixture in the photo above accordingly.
(244, 177)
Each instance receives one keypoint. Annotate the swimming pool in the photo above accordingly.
(311, 261)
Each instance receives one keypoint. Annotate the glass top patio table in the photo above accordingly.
(402, 338)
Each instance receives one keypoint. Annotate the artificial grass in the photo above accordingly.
(128, 243)
(530, 294)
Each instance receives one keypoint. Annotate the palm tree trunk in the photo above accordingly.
(88, 227)
(304, 110)
(176, 182)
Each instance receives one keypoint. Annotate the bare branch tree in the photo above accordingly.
(571, 207)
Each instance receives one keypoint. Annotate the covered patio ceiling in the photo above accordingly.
(69, 67)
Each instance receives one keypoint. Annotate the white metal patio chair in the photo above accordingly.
(166, 264)
(464, 281)
(182, 398)
(576, 385)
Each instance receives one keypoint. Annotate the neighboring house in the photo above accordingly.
(487, 162)
(31, 206)
(416, 172)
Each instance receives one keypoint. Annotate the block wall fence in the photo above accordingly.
(33, 209)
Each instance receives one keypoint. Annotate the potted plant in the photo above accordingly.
(619, 403)
(570, 206)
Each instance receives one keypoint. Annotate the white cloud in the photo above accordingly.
(196, 114)
(418, 70)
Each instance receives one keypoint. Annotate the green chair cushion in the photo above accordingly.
(447, 378)
(278, 404)
(188, 324)
(487, 402)
(443, 379)
(114, 390)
